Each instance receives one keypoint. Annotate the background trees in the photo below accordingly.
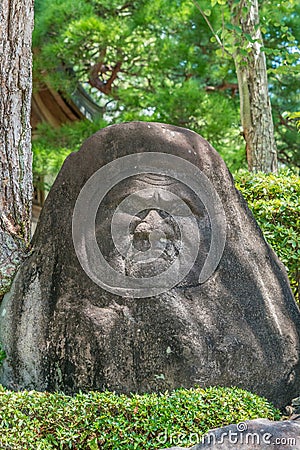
(16, 20)
(251, 71)
(159, 60)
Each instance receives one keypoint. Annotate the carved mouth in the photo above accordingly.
(152, 242)
(148, 259)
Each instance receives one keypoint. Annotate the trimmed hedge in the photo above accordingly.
(275, 203)
(40, 421)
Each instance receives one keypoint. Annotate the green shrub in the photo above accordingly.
(35, 420)
(274, 201)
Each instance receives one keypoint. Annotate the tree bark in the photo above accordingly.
(16, 24)
(256, 113)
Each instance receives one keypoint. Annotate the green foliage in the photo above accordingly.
(53, 145)
(275, 203)
(295, 116)
(2, 356)
(172, 68)
(167, 61)
(35, 420)
(281, 29)
(279, 25)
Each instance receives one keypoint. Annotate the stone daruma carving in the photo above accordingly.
(82, 316)
(154, 229)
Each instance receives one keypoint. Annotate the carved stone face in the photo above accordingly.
(155, 212)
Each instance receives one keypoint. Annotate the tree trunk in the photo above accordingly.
(256, 113)
(16, 23)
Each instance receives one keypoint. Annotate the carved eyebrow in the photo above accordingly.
(155, 179)
(196, 206)
(167, 205)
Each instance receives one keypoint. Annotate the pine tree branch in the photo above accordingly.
(211, 28)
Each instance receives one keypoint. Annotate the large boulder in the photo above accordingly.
(223, 314)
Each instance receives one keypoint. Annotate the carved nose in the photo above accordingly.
(150, 223)
(148, 233)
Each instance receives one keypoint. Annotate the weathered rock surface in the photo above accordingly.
(257, 434)
(241, 327)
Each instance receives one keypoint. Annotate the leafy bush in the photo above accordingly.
(274, 201)
(35, 420)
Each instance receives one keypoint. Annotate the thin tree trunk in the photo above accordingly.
(256, 113)
(16, 23)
